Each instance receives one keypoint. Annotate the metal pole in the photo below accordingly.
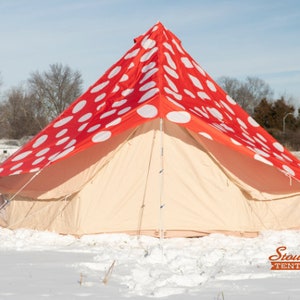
(283, 121)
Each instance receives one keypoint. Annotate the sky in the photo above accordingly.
(257, 38)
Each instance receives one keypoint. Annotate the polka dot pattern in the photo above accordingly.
(155, 78)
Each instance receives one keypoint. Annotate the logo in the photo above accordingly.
(283, 260)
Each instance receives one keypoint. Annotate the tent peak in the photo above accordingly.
(155, 78)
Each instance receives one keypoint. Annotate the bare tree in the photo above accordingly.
(247, 94)
(55, 89)
(20, 116)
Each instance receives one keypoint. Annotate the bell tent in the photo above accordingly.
(154, 147)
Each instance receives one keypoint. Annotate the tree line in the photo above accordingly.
(278, 116)
(28, 108)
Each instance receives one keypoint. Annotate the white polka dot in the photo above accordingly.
(288, 170)
(286, 157)
(196, 82)
(42, 152)
(206, 135)
(99, 107)
(199, 68)
(114, 72)
(171, 84)
(215, 113)
(246, 135)
(211, 86)
(175, 95)
(1, 170)
(61, 133)
(113, 123)
(108, 113)
(155, 28)
(21, 155)
(132, 54)
(278, 156)
(263, 160)
(62, 154)
(148, 43)
(17, 166)
(278, 146)
(147, 111)
(62, 121)
(99, 87)
(82, 127)
(70, 144)
(235, 142)
(100, 97)
(261, 137)
(127, 92)
(38, 160)
(93, 128)
(177, 46)
(101, 136)
(227, 128)
(261, 142)
(179, 117)
(116, 89)
(124, 110)
(169, 47)
(202, 112)
(187, 63)
(34, 170)
(148, 67)
(203, 96)
(148, 75)
(79, 106)
(147, 86)
(119, 103)
(171, 72)
(40, 141)
(242, 123)
(170, 61)
(228, 116)
(227, 107)
(175, 102)
(148, 95)
(218, 127)
(189, 93)
(132, 65)
(230, 100)
(148, 54)
(85, 117)
(261, 152)
(252, 122)
(62, 141)
(16, 172)
(124, 77)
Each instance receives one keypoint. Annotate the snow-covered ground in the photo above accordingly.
(43, 265)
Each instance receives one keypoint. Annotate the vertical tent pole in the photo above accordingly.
(161, 172)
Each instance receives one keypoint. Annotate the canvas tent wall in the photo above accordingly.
(153, 147)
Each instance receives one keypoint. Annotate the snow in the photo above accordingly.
(37, 265)
(46, 265)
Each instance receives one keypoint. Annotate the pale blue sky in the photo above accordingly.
(236, 38)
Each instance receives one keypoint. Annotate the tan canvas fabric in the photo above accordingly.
(149, 181)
